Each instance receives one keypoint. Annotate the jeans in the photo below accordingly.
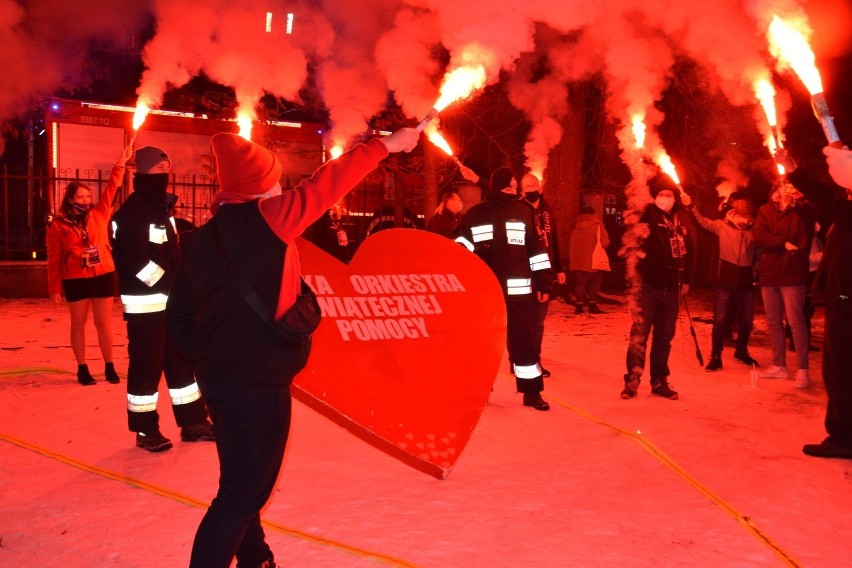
(251, 424)
(728, 300)
(778, 300)
(656, 309)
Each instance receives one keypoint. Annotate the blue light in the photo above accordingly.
(55, 106)
(319, 131)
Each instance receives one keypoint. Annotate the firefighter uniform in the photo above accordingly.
(501, 232)
(146, 252)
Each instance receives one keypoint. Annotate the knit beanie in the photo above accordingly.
(149, 156)
(501, 178)
(660, 182)
(245, 169)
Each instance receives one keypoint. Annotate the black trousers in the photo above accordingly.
(837, 372)
(251, 424)
(152, 353)
(524, 348)
(540, 314)
(656, 309)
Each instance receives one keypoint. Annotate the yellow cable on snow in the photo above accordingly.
(352, 550)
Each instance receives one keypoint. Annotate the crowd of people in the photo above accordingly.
(191, 300)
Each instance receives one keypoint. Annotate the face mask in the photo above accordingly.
(664, 202)
(532, 196)
(82, 207)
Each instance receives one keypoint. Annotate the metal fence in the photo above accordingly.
(28, 204)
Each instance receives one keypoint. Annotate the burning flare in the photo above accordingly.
(140, 115)
(665, 162)
(639, 130)
(245, 121)
(458, 84)
(438, 140)
(765, 93)
(791, 47)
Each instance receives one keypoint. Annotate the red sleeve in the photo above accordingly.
(290, 213)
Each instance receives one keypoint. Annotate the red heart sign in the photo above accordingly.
(411, 339)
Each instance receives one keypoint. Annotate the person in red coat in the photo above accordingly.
(80, 266)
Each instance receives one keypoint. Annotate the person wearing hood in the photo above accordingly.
(545, 228)
(783, 232)
(588, 228)
(663, 271)
(145, 245)
(80, 266)
(241, 272)
(734, 276)
(501, 231)
(447, 215)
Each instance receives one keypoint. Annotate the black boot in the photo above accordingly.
(84, 377)
(660, 387)
(631, 386)
(745, 358)
(111, 375)
(534, 399)
(715, 362)
(578, 309)
(594, 309)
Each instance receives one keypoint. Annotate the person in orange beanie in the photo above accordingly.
(239, 277)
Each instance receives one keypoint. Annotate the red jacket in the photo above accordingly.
(65, 240)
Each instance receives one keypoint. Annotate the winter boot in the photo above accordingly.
(715, 362)
(153, 441)
(84, 377)
(594, 309)
(534, 399)
(201, 432)
(631, 385)
(578, 309)
(111, 375)
(744, 357)
(544, 372)
(660, 387)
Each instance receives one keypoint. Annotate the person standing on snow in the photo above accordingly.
(833, 288)
(501, 231)
(545, 227)
(587, 280)
(146, 250)
(783, 232)
(664, 272)
(80, 265)
(243, 369)
(734, 276)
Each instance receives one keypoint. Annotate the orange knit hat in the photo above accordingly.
(244, 167)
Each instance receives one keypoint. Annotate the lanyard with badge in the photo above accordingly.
(91, 255)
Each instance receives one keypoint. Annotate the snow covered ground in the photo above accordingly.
(716, 478)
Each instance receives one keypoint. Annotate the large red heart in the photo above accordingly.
(411, 340)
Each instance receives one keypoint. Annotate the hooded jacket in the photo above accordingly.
(584, 237)
(659, 267)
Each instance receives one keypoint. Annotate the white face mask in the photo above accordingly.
(664, 202)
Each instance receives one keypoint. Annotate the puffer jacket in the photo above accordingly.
(584, 237)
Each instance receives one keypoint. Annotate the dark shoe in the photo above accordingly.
(594, 309)
(153, 441)
(631, 386)
(534, 399)
(84, 377)
(111, 376)
(715, 362)
(662, 388)
(744, 357)
(544, 372)
(578, 309)
(201, 432)
(828, 449)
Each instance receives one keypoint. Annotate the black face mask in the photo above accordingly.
(151, 184)
(532, 196)
(81, 208)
